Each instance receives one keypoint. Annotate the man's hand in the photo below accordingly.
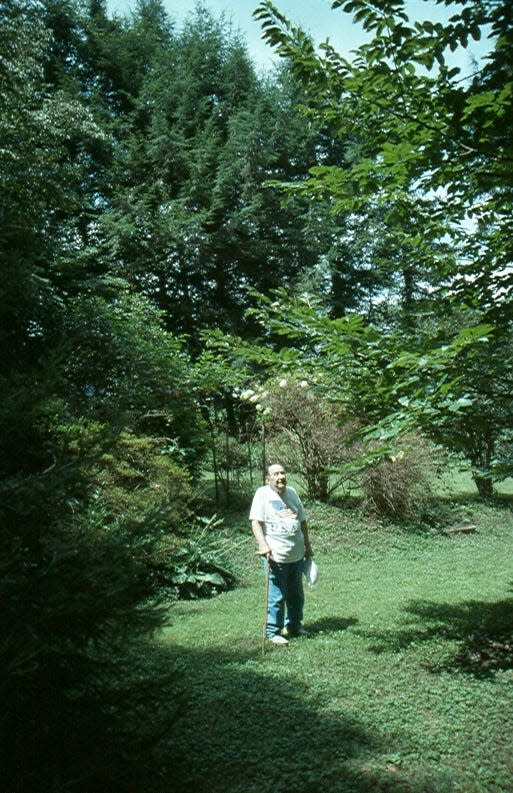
(308, 549)
(264, 551)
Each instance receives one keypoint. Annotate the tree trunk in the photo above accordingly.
(484, 486)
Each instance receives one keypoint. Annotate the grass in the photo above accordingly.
(398, 688)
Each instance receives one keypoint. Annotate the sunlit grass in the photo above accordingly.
(378, 698)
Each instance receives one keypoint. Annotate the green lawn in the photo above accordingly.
(389, 693)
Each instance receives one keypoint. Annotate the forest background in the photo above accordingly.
(204, 267)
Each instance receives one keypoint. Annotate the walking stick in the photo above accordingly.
(266, 602)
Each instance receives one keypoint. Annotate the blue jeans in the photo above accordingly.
(285, 591)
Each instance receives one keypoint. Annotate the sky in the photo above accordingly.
(314, 16)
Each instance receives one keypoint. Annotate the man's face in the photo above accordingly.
(277, 478)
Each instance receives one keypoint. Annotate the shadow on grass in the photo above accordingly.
(483, 630)
(452, 501)
(249, 727)
(332, 624)
(212, 722)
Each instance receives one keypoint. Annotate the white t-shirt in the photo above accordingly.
(282, 519)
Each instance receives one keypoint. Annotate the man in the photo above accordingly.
(278, 521)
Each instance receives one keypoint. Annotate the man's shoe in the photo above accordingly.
(278, 639)
(289, 631)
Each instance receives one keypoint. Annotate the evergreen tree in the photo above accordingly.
(192, 223)
(95, 407)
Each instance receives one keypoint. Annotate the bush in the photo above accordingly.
(311, 436)
(400, 484)
(139, 476)
(81, 573)
(74, 594)
(194, 564)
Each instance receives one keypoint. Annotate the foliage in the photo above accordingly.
(134, 213)
(75, 592)
(188, 221)
(79, 582)
(137, 475)
(103, 735)
(400, 485)
(426, 169)
(195, 563)
(350, 402)
(307, 434)
(122, 365)
(389, 383)
(98, 422)
(482, 433)
(424, 141)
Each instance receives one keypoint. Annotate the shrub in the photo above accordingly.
(194, 564)
(139, 475)
(74, 594)
(400, 484)
(311, 436)
(81, 573)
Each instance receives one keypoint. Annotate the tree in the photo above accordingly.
(96, 402)
(376, 387)
(190, 223)
(431, 160)
(482, 432)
